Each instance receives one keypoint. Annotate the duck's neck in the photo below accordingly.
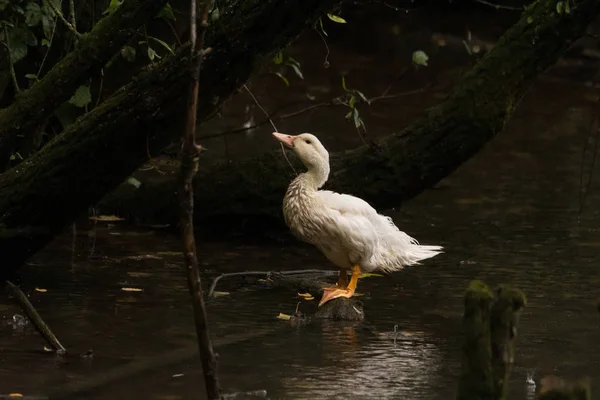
(315, 177)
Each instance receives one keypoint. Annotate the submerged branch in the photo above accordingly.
(269, 274)
(35, 318)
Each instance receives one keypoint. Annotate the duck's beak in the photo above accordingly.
(288, 140)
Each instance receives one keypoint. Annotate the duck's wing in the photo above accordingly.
(346, 204)
(352, 218)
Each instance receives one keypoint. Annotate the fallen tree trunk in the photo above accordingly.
(95, 48)
(101, 149)
(401, 165)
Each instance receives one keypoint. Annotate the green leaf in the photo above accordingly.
(349, 115)
(48, 25)
(344, 83)
(278, 59)
(25, 36)
(352, 101)
(66, 114)
(112, 6)
(283, 78)
(356, 118)
(152, 54)
(31, 76)
(128, 53)
(567, 8)
(82, 97)
(530, 20)
(295, 65)
(166, 12)
(362, 96)
(215, 14)
(33, 14)
(560, 6)
(166, 46)
(45, 42)
(4, 4)
(18, 49)
(336, 18)
(420, 58)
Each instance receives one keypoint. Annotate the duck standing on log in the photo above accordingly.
(347, 230)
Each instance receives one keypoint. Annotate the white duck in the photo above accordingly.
(349, 232)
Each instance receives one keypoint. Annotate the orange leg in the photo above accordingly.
(339, 291)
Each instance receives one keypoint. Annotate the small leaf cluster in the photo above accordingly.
(353, 96)
(20, 20)
(290, 62)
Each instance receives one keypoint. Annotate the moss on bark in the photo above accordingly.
(403, 164)
(490, 328)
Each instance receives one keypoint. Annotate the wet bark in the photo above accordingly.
(402, 165)
(490, 324)
(45, 193)
(33, 106)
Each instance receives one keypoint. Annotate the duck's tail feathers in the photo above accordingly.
(398, 250)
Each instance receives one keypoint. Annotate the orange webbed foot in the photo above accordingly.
(334, 293)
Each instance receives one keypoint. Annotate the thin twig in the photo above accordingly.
(60, 15)
(500, 6)
(100, 87)
(72, 13)
(48, 49)
(35, 318)
(211, 291)
(335, 102)
(10, 62)
(274, 127)
(326, 62)
(190, 154)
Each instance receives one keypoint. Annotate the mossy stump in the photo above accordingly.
(490, 328)
(341, 309)
(555, 388)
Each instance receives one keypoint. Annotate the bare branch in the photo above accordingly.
(60, 15)
(190, 154)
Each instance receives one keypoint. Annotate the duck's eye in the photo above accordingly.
(307, 141)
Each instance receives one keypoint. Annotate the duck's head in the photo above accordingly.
(310, 151)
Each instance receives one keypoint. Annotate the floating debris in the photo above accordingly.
(284, 317)
(131, 289)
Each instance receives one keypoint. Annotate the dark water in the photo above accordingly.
(510, 215)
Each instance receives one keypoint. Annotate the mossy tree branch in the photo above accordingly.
(35, 198)
(95, 48)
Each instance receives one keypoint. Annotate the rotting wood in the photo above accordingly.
(490, 328)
